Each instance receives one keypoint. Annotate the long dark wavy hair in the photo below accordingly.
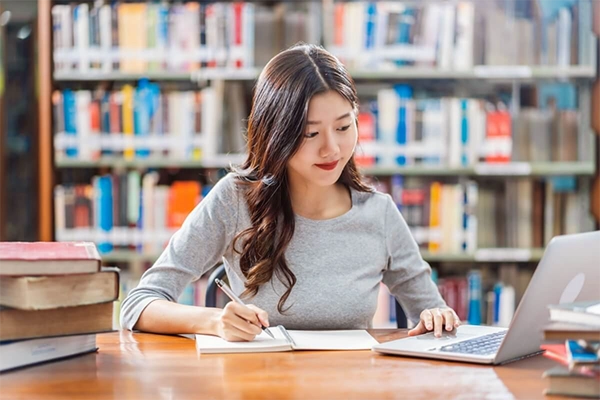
(276, 128)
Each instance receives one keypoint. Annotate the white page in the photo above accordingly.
(261, 343)
(595, 309)
(333, 340)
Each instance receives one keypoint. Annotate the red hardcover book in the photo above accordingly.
(556, 352)
(210, 19)
(237, 32)
(183, 197)
(498, 137)
(48, 258)
(366, 134)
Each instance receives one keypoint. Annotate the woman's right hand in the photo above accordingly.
(238, 322)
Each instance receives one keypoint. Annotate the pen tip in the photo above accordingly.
(268, 332)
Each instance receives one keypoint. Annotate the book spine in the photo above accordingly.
(104, 211)
(474, 280)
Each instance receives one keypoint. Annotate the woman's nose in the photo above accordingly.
(329, 145)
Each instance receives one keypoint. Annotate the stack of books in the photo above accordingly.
(54, 298)
(572, 338)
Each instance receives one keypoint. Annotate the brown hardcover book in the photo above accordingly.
(596, 22)
(574, 56)
(568, 136)
(563, 382)
(48, 258)
(568, 331)
(538, 214)
(24, 324)
(596, 198)
(596, 102)
(45, 292)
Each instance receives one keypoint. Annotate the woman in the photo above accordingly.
(308, 242)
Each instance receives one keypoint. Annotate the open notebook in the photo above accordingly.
(288, 340)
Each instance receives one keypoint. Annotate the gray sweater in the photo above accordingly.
(339, 263)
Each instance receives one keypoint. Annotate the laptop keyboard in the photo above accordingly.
(482, 345)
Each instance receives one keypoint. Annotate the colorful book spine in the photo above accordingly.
(70, 118)
(128, 121)
(104, 216)
(404, 94)
(474, 282)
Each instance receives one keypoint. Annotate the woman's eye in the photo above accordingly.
(311, 134)
(344, 128)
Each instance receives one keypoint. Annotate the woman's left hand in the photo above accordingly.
(436, 320)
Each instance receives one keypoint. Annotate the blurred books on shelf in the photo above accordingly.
(135, 122)
(385, 313)
(148, 124)
(141, 37)
(124, 210)
(130, 210)
(154, 37)
(446, 217)
(458, 35)
(420, 130)
(52, 306)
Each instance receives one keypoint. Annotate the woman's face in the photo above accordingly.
(329, 142)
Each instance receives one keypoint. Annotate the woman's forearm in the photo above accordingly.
(162, 316)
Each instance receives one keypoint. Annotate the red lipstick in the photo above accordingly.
(328, 166)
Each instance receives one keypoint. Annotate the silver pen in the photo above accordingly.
(227, 290)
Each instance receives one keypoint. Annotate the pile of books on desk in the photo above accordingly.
(572, 338)
(54, 298)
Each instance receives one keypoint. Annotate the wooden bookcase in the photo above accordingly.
(2, 144)
(595, 198)
(45, 159)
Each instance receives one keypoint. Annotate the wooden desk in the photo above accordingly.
(144, 366)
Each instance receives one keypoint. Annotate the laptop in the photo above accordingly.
(568, 271)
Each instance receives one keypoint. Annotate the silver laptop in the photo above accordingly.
(568, 271)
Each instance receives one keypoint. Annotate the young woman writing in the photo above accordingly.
(307, 240)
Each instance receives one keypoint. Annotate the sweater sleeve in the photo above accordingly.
(407, 275)
(195, 248)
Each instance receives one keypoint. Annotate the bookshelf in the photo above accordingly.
(151, 162)
(483, 170)
(486, 170)
(504, 255)
(45, 163)
(247, 74)
(517, 79)
(595, 199)
(482, 73)
(2, 145)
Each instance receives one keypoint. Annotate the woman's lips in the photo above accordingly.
(329, 166)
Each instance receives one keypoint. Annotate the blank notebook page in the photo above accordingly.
(261, 343)
(333, 340)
